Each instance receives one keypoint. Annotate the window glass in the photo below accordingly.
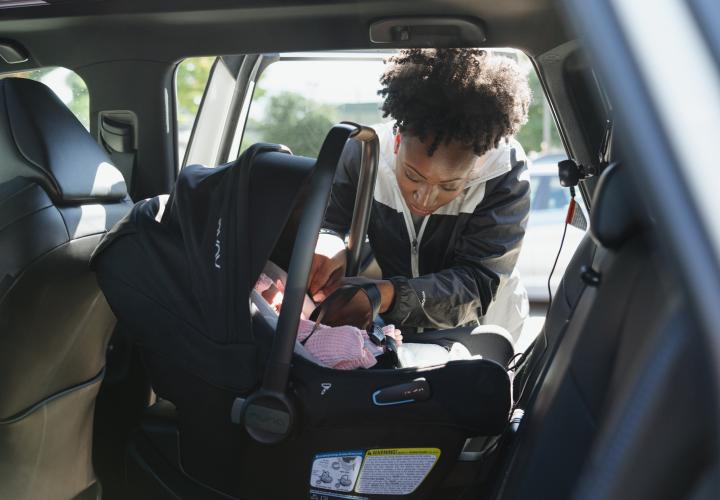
(558, 197)
(296, 102)
(534, 189)
(190, 80)
(66, 84)
(539, 136)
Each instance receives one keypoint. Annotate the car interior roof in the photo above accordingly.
(105, 40)
(76, 33)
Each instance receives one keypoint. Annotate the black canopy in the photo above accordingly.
(178, 270)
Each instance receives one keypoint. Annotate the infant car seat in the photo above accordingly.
(254, 420)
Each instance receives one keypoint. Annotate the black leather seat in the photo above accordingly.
(659, 437)
(58, 195)
(630, 297)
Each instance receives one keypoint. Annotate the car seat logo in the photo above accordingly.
(217, 243)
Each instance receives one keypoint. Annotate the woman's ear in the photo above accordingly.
(397, 143)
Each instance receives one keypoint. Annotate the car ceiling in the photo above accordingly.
(76, 33)
(107, 40)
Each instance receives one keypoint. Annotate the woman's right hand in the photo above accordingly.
(328, 266)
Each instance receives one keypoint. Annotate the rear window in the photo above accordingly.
(66, 84)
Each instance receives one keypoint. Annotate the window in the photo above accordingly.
(539, 136)
(190, 80)
(297, 100)
(558, 197)
(66, 84)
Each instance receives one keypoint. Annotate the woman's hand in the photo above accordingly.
(328, 266)
(393, 332)
(357, 311)
(386, 288)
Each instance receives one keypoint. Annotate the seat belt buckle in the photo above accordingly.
(377, 336)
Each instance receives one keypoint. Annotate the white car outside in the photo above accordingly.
(549, 204)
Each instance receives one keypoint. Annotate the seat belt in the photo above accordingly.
(119, 136)
(125, 163)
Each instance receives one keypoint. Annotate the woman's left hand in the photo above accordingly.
(386, 288)
(357, 311)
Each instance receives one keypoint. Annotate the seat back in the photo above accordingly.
(569, 292)
(623, 304)
(659, 437)
(58, 195)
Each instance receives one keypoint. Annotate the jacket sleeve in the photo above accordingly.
(488, 247)
(338, 215)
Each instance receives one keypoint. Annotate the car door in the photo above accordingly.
(666, 93)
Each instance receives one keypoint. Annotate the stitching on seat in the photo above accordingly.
(43, 402)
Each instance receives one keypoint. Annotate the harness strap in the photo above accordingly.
(342, 296)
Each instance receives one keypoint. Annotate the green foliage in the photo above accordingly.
(301, 123)
(293, 120)
(531, 134)
(190, 80)
(80, 103)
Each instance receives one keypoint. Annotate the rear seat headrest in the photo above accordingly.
(616, 212)
(42, 140)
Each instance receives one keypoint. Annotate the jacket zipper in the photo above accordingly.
(415, 250)
(415, 260)
(415, 238)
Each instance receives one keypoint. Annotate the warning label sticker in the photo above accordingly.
(395, 471)
(336, 471)
(329, 495)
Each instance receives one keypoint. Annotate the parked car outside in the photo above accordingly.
(549, 204)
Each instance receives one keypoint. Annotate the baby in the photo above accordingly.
(341, 347)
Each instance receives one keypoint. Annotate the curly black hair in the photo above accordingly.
(463, 95)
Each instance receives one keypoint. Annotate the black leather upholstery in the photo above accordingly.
(45, 143)
(58, 195)
(659, 438)
(605, 346)
(616, 211)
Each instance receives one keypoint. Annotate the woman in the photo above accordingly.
(452, 198)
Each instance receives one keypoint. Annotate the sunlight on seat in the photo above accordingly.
(107, 180)
(92, 220)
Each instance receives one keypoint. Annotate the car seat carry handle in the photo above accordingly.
(363, 198)
(268, 414)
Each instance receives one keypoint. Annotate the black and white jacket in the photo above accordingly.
(457, 269)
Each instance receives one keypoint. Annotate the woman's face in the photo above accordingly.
(429, 182)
